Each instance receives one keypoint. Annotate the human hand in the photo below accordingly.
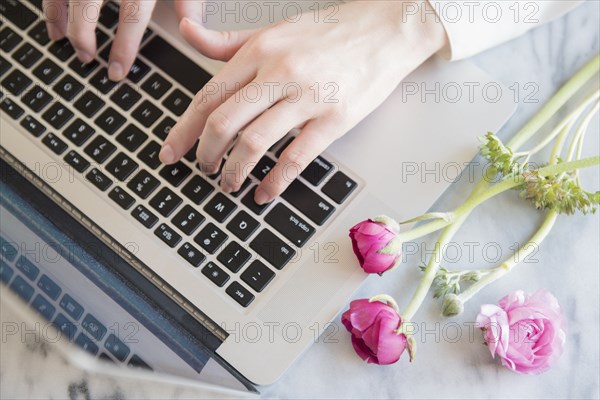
(77, 20)
(335, 75)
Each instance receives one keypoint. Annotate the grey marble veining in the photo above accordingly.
(566, 263)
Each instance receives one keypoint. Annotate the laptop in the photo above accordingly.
(257, 284)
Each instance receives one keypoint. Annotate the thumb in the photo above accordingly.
(214, 44)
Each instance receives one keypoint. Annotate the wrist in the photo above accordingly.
(421, 25)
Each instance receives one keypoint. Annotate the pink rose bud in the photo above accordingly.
(373, 326)
(376, 244)
(526, 331)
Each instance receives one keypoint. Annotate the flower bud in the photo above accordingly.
(376, 244)
(452, 306)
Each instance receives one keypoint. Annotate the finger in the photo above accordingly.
(83, 17)
(227, 120)
(214, 44)
(55, 14)
(254, 141)
(189, 9)
(189, 127)
(313, 139)
(134, 16)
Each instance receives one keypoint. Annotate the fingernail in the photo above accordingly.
(115, 71)
(261, 197)
(167, 155)
(84, 56)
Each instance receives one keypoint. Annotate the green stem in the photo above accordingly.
(522, 253)
(502, 186)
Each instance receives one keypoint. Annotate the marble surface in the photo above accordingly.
(446, 366)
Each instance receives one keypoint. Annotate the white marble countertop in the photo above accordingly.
(567, 264)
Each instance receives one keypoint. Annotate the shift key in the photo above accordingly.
(290, 225)
(308, 202)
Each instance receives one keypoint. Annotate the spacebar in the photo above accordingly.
(175, 64)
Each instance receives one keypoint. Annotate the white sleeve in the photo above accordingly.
(474, 26)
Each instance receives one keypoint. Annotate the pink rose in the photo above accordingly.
(374, 245)
(373, 327)
(526, 331)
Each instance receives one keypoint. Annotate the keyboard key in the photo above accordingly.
(86, 344)
(68, 87)
(16, 82)
(110, 120)
(43, 306)
(220, 207)
(125, 97)
(234, 256)
(240, 294)
(149, 155)
(146, 113)
(37, 4)
(101, 82)
(215, 274)
(17, 13)
(156, 86)
(47, 71)
(54, 144)
(78, 132)
(257, 276)
(249, 202)
(138, 70)
(99, 180)
(65, 326)
(22, 288)
(89, 104)
(175, 64)
(164, 127)
(27, 55)
(188, 220)
(121, 166)
(243, 225)
(101, 37)
(27, 268)
(71, 307)
(100, 149)
(339, 187)
(116, 347)
(244, 186)
(144, 216)
(211, 238)
(33, 126)
(9, 39)
(62, 49)
(36, 98)
(109, 15)
(168, 235)
(39, 33)
(49, 287)
(290, 224)
(177, 102)
(143, 184)
(122, 198)
(4, 65)
(197, 189)
(308, 202)
(76, 161)
(93, 327)
(191, 254)
(57, 115)
(176, 173)
(131, 137)
(272, 249)
(106, 358)
(8, 249)
(262, 168)
(136, 362)
(191, 154)
(83, 69)
(165, 202)
(6, 272)
(317, 171)
(11, 108)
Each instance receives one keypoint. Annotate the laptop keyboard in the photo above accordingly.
(49, 299)
(111, 134)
